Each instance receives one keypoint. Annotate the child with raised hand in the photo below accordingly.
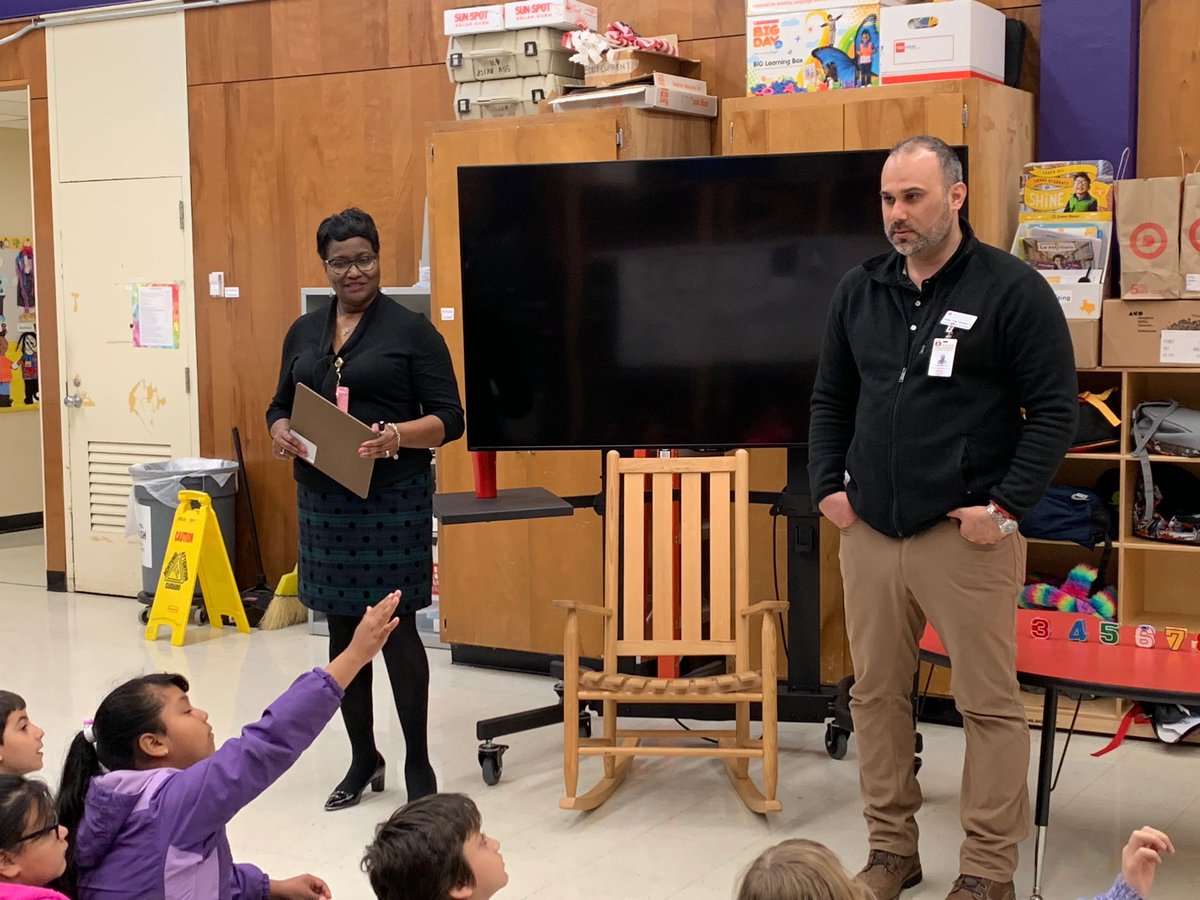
(147, 794)
(1139, 863)
(435, 849)
(20, 739)
(799, 869)
(33, 846)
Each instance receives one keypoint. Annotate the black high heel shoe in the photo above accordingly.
(344, 799)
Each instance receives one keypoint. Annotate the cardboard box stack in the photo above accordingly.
(1065, 231)
(506, 59)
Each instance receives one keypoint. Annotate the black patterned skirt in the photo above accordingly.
(354, 551)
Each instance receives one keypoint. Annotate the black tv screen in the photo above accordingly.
(655, 303)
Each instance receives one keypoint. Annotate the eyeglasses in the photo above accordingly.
(364, 263)
(34, 835)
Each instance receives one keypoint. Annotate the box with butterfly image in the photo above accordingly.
(813, 45)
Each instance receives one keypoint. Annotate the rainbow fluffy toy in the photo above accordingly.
(1074, 595)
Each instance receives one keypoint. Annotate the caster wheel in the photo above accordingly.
(585, 726)
(916, 765)
(491, 761)
(492, 767)
(837, 741)
(200, 615)
(144, 615)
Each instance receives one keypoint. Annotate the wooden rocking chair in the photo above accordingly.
(713, 563)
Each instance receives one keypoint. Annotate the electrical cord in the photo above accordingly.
(775, 513)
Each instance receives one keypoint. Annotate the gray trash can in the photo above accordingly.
(156, 488)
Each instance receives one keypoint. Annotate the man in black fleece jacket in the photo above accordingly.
(944, 402)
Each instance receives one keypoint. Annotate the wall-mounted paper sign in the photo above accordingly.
(156, 316)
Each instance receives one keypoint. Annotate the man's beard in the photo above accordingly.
(919, 242)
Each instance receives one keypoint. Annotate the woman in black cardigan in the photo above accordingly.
(387, 366)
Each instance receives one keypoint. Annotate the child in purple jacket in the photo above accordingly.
(146, 794)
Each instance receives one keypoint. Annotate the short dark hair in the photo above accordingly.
(9, 704)
(1084, 175)
(349, 223)
(951, 165)
(417, 854)
(22, 799)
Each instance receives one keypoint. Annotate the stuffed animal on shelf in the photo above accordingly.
(1076, 594)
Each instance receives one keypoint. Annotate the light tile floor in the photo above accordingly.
(675, 829)
(23, 557)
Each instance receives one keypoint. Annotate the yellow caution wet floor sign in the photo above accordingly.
(196, 550)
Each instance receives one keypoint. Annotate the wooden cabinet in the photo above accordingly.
(497, 580)
(994, 122)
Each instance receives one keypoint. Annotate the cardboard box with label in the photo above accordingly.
(1151, 333)
(473, 19)
(819, 47)
(567, 15)
(627, 64)
(943, 40)
(640, 96)
(1085, 340)
(509, 54)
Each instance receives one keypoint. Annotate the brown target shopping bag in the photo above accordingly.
(1189, 236)
(1148, 234)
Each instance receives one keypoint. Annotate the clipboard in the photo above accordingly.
(333, 438)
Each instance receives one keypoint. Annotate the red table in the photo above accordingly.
(1057, 664)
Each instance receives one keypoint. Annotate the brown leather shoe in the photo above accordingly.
(972, 887)
(887, 874)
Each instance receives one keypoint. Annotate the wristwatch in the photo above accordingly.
(1006, 523)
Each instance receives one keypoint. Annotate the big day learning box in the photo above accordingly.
(818, 46)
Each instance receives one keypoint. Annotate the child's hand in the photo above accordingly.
(1141, 857)
(302, 887)
(377, 623)
(369, 637)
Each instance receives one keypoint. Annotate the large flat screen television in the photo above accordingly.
(655, 303)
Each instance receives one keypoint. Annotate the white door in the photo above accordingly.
(134, 404)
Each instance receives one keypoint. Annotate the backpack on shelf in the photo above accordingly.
(1173, 511)
(1075, 514)
(1099, 427)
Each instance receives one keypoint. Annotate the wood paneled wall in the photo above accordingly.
(301, 107)
(23, 64)
(1169, 87)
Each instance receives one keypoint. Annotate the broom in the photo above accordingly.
(254, 599)
(285, 608)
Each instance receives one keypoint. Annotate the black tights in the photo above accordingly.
(408, 671)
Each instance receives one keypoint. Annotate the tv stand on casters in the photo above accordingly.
(802, 697)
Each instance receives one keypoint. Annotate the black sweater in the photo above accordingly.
(915, 447)
(397, 368)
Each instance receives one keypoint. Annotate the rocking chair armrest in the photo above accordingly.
(765, 606)
(576, 606)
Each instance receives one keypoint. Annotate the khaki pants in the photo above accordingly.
(969, 593)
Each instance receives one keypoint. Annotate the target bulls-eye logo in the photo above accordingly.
(1194, 235)
(1149, 240)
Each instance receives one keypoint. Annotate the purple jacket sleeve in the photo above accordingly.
(204, 797)
(249, 882)
(1120, 891)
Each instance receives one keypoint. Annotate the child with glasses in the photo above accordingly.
(147, 794)
(20, 739)
(33, 846)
